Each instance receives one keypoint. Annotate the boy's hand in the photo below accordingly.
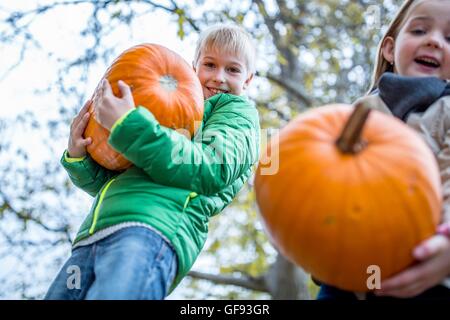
(109, 108)
(433, 268)
(77, 144)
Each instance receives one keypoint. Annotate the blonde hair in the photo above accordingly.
(228, 38)
(381, 64)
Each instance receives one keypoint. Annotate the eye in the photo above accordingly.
(209, 64)
(418, 32)
(234, 70)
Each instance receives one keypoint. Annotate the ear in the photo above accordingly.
(247, 82)
(193, 66)
(387, 49)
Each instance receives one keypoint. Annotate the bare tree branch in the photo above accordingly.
(270, 23)
(293, 88)
(267, 105)
(250, 283)
(25, 216)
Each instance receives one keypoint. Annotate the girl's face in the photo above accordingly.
(222, 73)
(422, 47)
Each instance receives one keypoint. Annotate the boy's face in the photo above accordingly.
(422, 47)
(222, 73)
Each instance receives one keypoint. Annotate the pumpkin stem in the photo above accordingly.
(350, 141)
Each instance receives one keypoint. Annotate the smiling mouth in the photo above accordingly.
(217, 91)
(428, 62)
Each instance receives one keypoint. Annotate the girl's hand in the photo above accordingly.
(433, 268)
(109, 108)
(77, 144)
(444, 229)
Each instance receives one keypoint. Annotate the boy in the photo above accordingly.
(148, 224)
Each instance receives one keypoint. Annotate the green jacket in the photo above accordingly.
(176, 184)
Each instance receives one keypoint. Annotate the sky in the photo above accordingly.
(58, 33)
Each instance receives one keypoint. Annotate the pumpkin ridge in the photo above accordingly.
(404, 203)
(392, 226)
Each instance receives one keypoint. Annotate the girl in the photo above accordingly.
(410, 74)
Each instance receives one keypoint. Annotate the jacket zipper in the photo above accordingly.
(97, 207)
(191, 195)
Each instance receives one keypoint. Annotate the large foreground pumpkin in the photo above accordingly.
(162, 82)
(343, 200)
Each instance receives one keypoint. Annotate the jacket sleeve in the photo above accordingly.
(225, 148)
(86, 174)
(434, 125)
(444, 165)
(229, 193)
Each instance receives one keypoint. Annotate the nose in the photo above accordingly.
(219, 75)
(435, 40)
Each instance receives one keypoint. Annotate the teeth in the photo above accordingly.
(216, 91)
(430, 61)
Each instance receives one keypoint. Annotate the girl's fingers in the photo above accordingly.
(444, 229)
(430, 247)
(404, 283)
(404, 292)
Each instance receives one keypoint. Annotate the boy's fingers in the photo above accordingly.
(85, 120)
(80, 114)
(81, 141)
(81, 125)
(87, 141)
(124, 89)
(96, 117)
(107, 90)
(85, 107)
(83, 110)
(73, 122)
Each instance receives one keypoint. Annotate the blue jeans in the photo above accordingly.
(133, 263)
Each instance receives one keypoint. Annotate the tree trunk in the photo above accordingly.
(286, 281)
